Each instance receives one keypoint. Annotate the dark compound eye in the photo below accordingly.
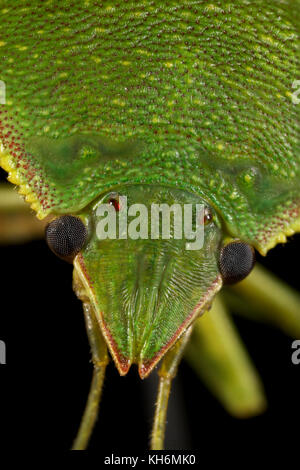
(66, 236)
(236, 261)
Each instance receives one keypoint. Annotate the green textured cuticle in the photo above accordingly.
(179, 93)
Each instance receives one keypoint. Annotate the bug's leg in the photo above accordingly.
(166, 373)
(100, 361)
(264, 297)
(217, 355)
(18, 224)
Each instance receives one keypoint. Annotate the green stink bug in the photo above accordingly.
(159, 103)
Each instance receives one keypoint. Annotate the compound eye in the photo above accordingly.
(66, 236)
(236, 261)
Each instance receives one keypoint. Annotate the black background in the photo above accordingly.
(45, 382)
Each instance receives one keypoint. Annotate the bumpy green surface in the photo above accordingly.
(189, 94)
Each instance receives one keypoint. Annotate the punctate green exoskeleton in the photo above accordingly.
(171, 103)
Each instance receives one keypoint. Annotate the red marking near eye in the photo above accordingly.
(114, 202)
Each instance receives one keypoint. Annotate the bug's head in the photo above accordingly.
(149, 259)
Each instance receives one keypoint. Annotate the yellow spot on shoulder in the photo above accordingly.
(199, 102)
(118, 102)
(212, 7)
(142, 51)
(44, 112)
(248, 178)
(268, 39)
(234, 195)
